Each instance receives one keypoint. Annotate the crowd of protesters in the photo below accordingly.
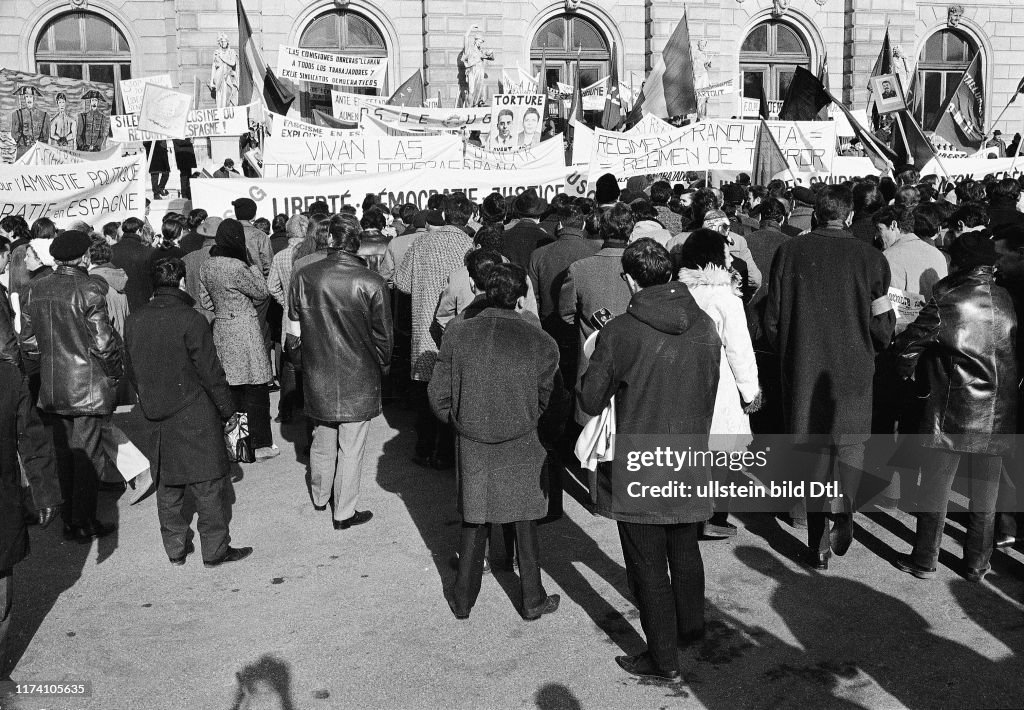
(517, 328)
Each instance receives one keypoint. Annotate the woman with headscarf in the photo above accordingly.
(229, 284)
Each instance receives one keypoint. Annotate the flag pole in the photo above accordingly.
(996, 121)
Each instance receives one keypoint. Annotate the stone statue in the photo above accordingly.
(224, 75)
(472, 70)
(953, 15)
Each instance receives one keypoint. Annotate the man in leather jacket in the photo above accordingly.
(341, 311)
(66, 336)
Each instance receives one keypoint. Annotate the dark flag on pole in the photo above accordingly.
(805, 98)
(611, 119)
(769, 160)
(881, 156)
(409, 93)
(883, 65)
(909, 142)
(962, 118)
(256, 81)
(823, 78)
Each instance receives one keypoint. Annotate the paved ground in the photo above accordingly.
(356, 619)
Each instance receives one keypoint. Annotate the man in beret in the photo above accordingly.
(67, 337)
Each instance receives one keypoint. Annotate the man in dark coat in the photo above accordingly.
(183, 402)
(827, 314)
(341, 311)
(131, 255)
(521, 240)
(1004, 205)
(67, 336)
(185, 159)
(638, 360)
(492, 380)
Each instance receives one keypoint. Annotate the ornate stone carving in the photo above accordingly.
(572, 5)
(954, 13)
(779, 7)
(820, 2)
(79, 4)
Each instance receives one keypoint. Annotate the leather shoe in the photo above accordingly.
(973, 574)
(460, 615)
(98, 529)
(643, 666)
(77, 533)
(143, 486)
(234, 554)
(548, 606)
(817, 560)
(179, 561)
(841, 535)
(360, 517)
(904, 563)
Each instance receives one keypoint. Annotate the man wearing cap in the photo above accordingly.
(93, 124)
(803, 207)
(67, 336)
(996, 141)
(527, 234)
(194, 261)
(606, 191)
(29, 124)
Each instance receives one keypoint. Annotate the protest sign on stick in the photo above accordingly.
(164, 112)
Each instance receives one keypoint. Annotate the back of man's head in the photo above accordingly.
(490, 236)
(506, 284)
(773, 210)
(458, 209)
(833, 204)
(647, 262)
(1006, 189)
(570, 216)
(167, 273)
(661, 193)
(479, 263)
(617, 223)
(344, 230)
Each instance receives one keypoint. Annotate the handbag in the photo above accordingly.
(236, 438)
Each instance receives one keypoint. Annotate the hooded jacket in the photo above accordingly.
(660, 360)
(117, 302)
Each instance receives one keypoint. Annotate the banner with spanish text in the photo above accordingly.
(358, 155)
(346, 106)
(302, 64)
(204, 123)
(284, 127)
(432, 119)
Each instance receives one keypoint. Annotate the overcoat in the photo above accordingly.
(492, 379)
(229, 288)
(183, 394)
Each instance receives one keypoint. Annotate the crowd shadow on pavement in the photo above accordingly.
(556, 696)
(264, 685)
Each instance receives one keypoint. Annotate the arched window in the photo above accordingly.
(769, 57)
(83, 45)
(944, 58)
(339, 32)
(560, 40)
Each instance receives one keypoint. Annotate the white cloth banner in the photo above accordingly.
(370, 126)
(132, 90)
(204, 123)
(358, 155)
(718, 144)
(300, 64)
(549, 155)
(284, 196)
(721, 88)
(164, 111)
(975, 168)
(432, 119)
(44, 154)
(284, 127)
(346, 106)
(94, 192)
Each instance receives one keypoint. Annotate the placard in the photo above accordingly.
(346, 106)
(358, 155)
(164, 111)
(517, 121)
(204, 123)
(301, 64)
(284, 127)
(132, 90)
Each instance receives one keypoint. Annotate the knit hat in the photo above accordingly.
(69, 245)
(713, 216)
(244, 208)
(606, 189)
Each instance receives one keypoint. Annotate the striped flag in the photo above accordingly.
(611, 117)
(962, 119)
(256, 81)
(669, 90)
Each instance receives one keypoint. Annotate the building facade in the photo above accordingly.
(750, 41)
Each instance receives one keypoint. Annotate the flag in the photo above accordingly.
(909, 142)
(883, 65)
(669, 89)
(805, 98)
(409, 93)
(756, 91)
(575, 114)
(881, 156)
(962, 118)
(256, 81)
(768, 158)
(823, 78)
(542, 86)
(612, 116)
(328, 121)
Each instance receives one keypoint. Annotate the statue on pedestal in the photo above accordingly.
(472, 70)
(224, 74)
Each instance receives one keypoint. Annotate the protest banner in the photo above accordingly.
(370, 126)
(132, 90)
(284, 127)
(164, 111)
(346, 106)
(720, 89)
(432, 119)
(650, 125)
(358, 155)
(975, 168)
(300, 64)
(549, 154)
(517, 121)
(204, 123)
(94, 192)
(289, 196)
(809, 147)
(594, 95)
(43, 154)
